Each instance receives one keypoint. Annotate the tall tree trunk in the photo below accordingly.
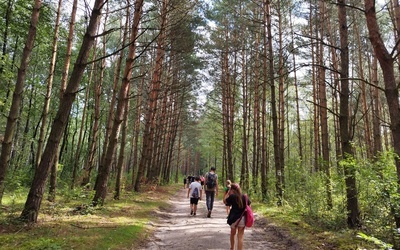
(175, 124)
(227, 173)
(227, 112)
(123, 98)
(264, 139)
(47, 98)
(335, 90)
(162, 131)
(178, 152)
(33, 202)
(325, 145)
(376, 122)
(281, 101)
(46, 105)
(314, 57)
(17, 96)
(149, 129)
(64, 78)
(111, 114)
(386, 62)
(296, 89)
(244, 174)
(135, 150)
(353, 214)
(256, 118)
(121, 157)
(97, 91)
(364, 91)
(274, 114)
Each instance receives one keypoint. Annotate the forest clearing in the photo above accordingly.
(296, 101)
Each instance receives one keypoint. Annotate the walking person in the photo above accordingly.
(184, 182)
(228, 184)
(211, 189)
(236, 219)
(202, 180)
(195, 192)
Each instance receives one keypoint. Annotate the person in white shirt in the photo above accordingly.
(195, 192)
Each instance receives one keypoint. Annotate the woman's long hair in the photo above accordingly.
(235, 189)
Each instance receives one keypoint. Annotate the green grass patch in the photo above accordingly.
(70, 223)
(310, 232)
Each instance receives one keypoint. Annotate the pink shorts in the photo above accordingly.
(242, 223)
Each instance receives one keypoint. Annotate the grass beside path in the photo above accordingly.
(309, 233)
(70, 223)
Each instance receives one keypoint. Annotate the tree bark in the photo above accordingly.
(296, 89)
(64, 78)
(121, 158)
(386, 62)
(376, 110)
(46, 105)
(17, 96)
(149, 129)
(353, 211)
(135, 149)
(256, 118)
(281, 102)
(325, 145)
(264, 137)
(244, 173)
(123, 98)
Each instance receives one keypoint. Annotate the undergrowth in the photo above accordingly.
(72, 223)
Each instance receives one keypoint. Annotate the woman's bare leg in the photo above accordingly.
(240, 237)
(232, 238)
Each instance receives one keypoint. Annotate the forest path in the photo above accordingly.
(177, 229)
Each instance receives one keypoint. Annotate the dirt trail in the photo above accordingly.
(177, 229)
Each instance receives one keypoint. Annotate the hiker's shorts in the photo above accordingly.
(242, 223)
(194, 201)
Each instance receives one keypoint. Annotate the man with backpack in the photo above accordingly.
(195, 192)
(211, 189)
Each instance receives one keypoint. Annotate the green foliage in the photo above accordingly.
(118, 225)
(306, 195)
(374, 240)
(378, 196)
(12, 205)
(76, 194)
(19, 178)
(310, 232)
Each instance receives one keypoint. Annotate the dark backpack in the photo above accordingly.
(211, 181)
(195, 193)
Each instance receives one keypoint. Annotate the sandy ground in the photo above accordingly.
(177, 229)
